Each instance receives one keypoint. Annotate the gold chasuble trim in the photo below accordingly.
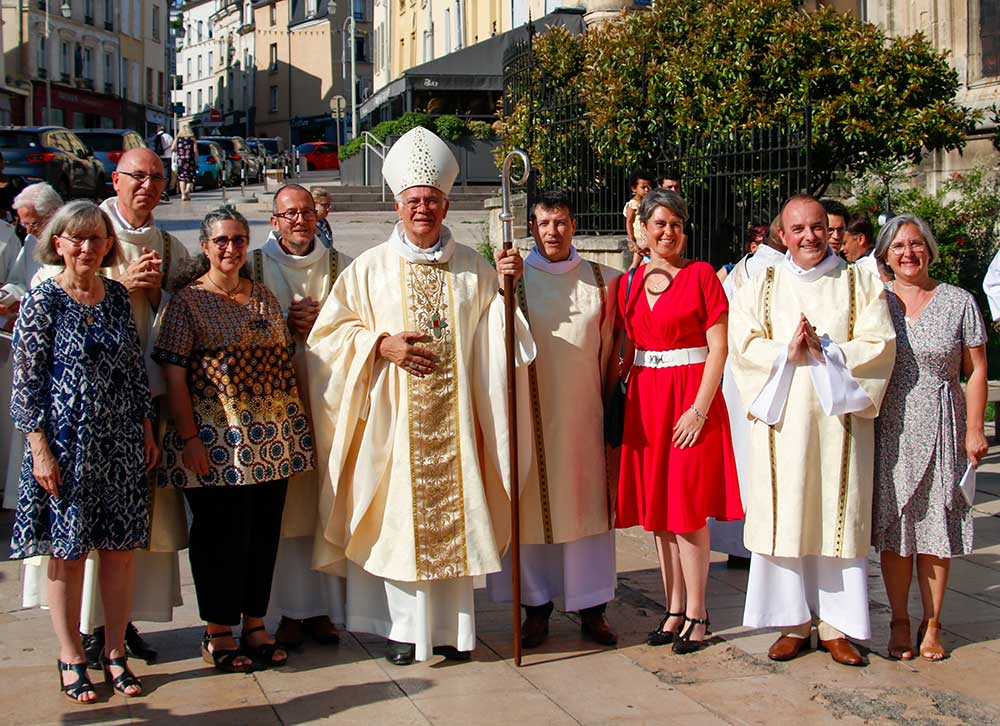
(768, 286)
(845, 456)
(439, 534)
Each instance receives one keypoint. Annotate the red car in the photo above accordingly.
(318, 155)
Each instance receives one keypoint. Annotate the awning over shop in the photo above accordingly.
(478, 67)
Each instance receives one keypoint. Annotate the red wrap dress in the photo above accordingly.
(662, 487)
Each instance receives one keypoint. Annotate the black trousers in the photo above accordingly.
(233, 545)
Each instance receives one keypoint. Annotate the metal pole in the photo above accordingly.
(354, 81)
(48, 73)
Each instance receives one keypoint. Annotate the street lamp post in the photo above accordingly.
(354, 101)
(66, 10)
(179, 34)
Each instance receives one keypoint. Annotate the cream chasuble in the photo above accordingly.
(810, 473)
(414, 485)
(572, 315)
(292, 278)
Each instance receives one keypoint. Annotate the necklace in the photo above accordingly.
(432, 319)
(85, 298)
(228, 293)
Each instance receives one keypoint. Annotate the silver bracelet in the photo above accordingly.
(699, 414)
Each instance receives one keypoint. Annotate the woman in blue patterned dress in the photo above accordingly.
(81, 397)
(238, 430)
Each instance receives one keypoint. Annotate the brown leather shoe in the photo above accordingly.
(843, 651)
(290, 633)
(787, 647)
(595, 626)
(535, 628)
(322, 630)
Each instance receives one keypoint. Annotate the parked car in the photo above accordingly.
(257, 150)
(212, 167)
(318, 155)
(109, 145)
(55, 155)
(239, 158)
(275, 153)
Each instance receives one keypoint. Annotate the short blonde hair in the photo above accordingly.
(319, 192)
(76, 216)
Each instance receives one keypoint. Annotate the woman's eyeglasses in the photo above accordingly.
(239, 242)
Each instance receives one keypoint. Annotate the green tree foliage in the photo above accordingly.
(447, 127)
(704, 66)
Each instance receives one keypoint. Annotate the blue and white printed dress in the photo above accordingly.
(79, 375)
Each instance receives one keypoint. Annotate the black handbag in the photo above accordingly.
(614, 410)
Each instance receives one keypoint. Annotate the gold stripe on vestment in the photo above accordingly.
(845, 455)
(772, 455)
(439, 533)
(536, 417)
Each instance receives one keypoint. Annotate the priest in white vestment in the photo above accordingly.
(811, 351)
(151, 263)
(34, 206)
(568, 543)
(991, 286)
(410, 376)
(299, 268)
(728, 536)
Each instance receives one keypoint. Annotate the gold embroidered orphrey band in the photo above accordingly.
(768, 331)
(845, 456)
(536, 403)
(432, 406)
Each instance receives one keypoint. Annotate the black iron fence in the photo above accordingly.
(731, 180)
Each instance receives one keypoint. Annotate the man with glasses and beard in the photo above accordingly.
(300, 269)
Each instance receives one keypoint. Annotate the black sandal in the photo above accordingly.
(77, 688)
(684, 645)
(223, 660)
(127, 679)
(263, 653)
(660, 636)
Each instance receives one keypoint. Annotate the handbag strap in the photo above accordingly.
(628, 294)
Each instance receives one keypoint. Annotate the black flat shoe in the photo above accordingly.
(80, 686)
(127, 679)
(93, 647)
(450, 652)
(263, 654)
(660, 636)
(401, 654)
(683, 644)
(135, 646)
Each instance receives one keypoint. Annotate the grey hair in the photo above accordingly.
(41, 197)
(75, 216)
(888, 233)
(662, 198)
(222, 214)
(283, 187)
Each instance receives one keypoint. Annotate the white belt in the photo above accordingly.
(670, 358)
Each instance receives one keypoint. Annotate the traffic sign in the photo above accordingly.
(215, 116)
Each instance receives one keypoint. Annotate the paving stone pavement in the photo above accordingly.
(568, 681)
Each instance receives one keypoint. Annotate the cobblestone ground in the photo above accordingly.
(566, 682)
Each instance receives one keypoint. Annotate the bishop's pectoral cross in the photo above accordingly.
(438, 324)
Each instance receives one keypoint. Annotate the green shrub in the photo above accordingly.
(481, 130)
(451, 128)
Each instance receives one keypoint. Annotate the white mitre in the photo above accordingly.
(419, 159)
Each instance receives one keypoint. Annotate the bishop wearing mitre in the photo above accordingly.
(411, 405)
(811, 349)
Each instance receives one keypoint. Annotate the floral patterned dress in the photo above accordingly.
(920, 432)
(187, 158)
(79, 376)
(242, 384)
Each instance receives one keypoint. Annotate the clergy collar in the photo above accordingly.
(439, 253)
(273, 249)
(768, 255)
(110, 205)
(537, 260)
(830, 263)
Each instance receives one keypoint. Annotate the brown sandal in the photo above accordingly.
(930, 652)
(899, 640)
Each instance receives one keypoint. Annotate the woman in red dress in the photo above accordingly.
(677, 465)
